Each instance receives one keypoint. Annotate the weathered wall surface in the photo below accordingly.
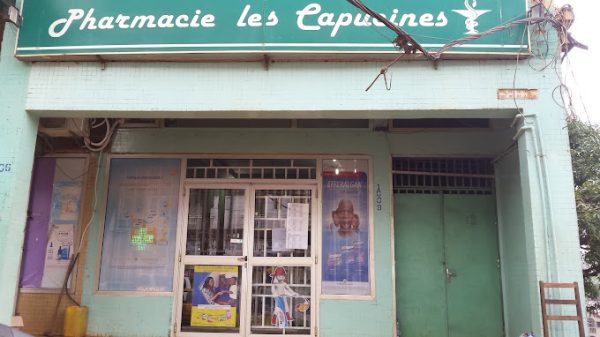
(296, 90)
(17, 141)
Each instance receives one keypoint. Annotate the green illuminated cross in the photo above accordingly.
(142, 238)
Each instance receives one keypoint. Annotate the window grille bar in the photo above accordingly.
(303, 169)
(471, 176)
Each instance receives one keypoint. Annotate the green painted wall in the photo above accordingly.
(17, 140)
(515, 248)
(549, 212)
(337, 317)
(118, 315)
(305, 90)
(286, 90)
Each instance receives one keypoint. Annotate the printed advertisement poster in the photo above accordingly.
(58, 255)
(65, 202)
(215, 296)
(60, 246)
(345, 268)
(141, 225)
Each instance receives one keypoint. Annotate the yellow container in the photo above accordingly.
(75, 324)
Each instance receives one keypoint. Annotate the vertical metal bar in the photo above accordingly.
(263, 299)
(544, 313)
(456, 168)
(265, 238)
(462, 169)
(306, 283)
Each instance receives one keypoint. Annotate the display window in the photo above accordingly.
(253, 243)
(140, 227)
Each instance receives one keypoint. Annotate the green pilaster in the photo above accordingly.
(17, 143)
(516, 248)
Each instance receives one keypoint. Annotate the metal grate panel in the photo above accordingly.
(304, 169)
(443, 175)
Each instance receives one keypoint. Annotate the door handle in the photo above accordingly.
(243, 259)
(449, 274)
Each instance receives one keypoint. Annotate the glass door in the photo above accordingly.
(248, 263)
(281, 264)
(213, 263)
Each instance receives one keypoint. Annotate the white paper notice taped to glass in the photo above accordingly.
(296, 235)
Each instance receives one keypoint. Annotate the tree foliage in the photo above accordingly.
(585, 155)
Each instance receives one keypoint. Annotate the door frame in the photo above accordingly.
(249, 186)
(287, 261)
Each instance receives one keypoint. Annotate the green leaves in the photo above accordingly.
(585, 155)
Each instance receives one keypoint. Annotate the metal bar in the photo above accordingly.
(544, 313)
(562, 318)
(489, 176)
(572, 302)
(444, 187)
(559, 285)
(264, 299)
(265, 238)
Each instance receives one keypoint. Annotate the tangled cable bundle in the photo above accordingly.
(561, 21)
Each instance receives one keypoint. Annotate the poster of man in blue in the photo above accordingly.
(345, 268)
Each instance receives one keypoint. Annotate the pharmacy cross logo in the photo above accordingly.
(471, 14)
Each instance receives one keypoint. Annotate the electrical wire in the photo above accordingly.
(561, 21)
(64, 290)
(544, 55)
(517, 68)
(570, 68)
(403, 40)
(102, 144)
(383, 72)
(95, 199)
(525, 21)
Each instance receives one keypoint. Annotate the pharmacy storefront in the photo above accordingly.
(233, 169)
(245, 247)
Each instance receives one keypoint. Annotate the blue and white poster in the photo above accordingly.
(140, 229)
(66, 200)
(345, 267)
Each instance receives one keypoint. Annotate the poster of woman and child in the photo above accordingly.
(215, 296)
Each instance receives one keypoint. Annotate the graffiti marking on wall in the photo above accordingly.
(5, 167)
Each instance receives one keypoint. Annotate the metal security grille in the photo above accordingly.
(304, 169)
(443, 175)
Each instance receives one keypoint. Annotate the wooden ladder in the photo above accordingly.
(545, 301)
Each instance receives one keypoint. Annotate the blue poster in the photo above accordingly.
(66, 199)
(345, 267)
(140, 230)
